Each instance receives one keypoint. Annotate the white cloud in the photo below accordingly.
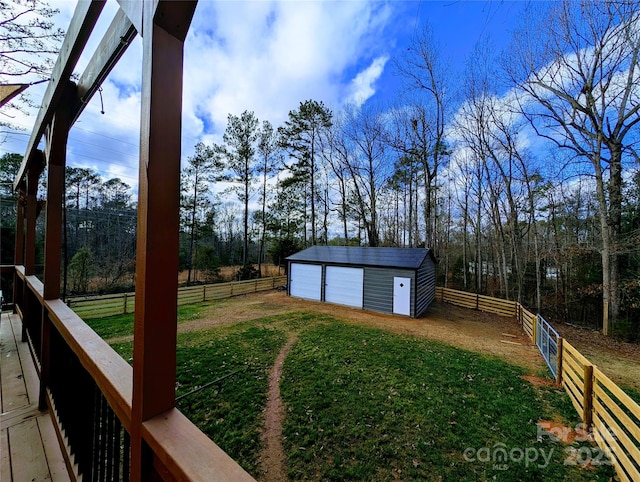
(266, 56)
(270, 56)
(362, 86)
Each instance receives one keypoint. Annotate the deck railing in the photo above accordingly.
(88, 387)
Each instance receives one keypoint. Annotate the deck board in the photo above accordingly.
(5, 459)
(14, 390)
(29, 447)
(31, 380)
(28, 461)
(55, 460)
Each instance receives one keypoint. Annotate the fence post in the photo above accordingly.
(204, 293)
(125, 304)
(559, 362)
(535, 330)
(587, 400)
(477, 301)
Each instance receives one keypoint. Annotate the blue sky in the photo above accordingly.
(268, 57)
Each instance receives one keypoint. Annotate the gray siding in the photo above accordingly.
(378, 288)
(426, 286)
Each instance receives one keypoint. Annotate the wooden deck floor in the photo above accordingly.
(29, 449)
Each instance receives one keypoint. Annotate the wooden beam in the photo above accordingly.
(82, 23)
(9, 91)
(57, 135)
(114, 44)
(175, 17)
(18, 257)
(155, 329)
(133, 11)
(33, 175)
(56, 158)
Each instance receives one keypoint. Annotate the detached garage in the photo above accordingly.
(389, 280)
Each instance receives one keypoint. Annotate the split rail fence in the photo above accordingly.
(88, 307)
(603, 407)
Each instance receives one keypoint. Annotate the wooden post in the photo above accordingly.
(56, 137)
(33, 174)
(204, 293)
(124, 311)
(154, 347)
(18, 257)
(587, 400)
(559, 362)
(534, 330)
(35, 169)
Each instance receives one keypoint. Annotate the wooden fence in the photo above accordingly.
(478, 302)
(603, 406)
(88, 307)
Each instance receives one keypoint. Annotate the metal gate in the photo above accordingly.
(547, 342)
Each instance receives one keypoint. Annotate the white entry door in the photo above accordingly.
(402, 296)
(306, 281)
(344, 285)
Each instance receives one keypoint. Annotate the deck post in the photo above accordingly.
(31, 214)
(18, 257)
(33, 175)
(165, 25)
(56, 137)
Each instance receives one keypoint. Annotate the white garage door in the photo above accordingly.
(306, 281)
(344, 286)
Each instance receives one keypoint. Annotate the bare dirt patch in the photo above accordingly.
(539, 381)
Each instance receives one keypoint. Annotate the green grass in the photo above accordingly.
(366, 404)
(122, 325)
(633, 393)
(232, 415)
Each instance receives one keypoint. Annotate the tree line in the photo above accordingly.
(520, 173)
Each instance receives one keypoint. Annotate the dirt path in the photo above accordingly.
(273, 466)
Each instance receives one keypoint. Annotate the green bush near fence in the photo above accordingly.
(365, 404)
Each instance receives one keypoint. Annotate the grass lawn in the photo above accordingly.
(366, 404)
(122, 325)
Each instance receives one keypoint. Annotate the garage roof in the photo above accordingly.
(410, 258)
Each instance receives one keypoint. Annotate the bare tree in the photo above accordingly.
(367, 165)
(29, 42)
(427, 75)
(577, 72)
